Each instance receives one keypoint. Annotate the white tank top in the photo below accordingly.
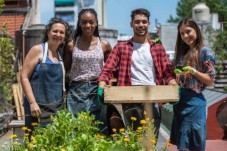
(86, 64)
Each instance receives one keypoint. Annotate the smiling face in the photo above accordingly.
(140, 25)
(57, 33)
(188, 35)
(88, 23)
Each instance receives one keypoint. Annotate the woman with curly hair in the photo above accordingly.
(42, 75)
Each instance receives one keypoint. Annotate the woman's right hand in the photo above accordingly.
(35, 110)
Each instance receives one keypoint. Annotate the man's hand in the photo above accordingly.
(100, 92)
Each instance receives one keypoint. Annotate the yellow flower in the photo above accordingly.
(114, 130)
(147, 119)
(133, 118)
(98, 136)
(30, 145)
(153, 141)
(102, 137)
(34, 124)
(143, 122)
(24, 128)
(121, 130)
(13, 136)
(26, 135)
(144, 112)
(140, 139)
(139, 128)
(126, 139)
(168, 143)
(29, 130)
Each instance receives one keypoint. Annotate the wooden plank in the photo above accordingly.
(141, 94)
(16, 123)
(16, 101)
(20, 100)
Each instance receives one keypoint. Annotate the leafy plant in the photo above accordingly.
(219, 46)
(68, 133)
(7, 74)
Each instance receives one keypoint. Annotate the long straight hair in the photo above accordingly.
(191, 56)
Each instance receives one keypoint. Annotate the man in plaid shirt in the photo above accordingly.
(138, 61)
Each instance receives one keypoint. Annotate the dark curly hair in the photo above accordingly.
(68, 33)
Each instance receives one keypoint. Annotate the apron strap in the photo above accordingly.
(63, 70)
(61, 62)
(45, 52)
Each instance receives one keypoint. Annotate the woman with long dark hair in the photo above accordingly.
(194, 68)
(84, 64)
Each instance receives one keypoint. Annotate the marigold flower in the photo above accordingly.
(153, 141)
(121, 130)
(126, 139)
(98, 136)
(168, 143)
(114, 130)
(30, 145)
(140, 139)
(24, 128)
(133, 118)
(143, 122)
(13, 136)
(101, 136)
(34, 124)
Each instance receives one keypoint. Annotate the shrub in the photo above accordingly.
(68, 133)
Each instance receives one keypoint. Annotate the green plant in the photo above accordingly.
(219, 46)
(7, 75)
(68, 133)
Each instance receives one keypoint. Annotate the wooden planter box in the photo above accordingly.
(141, 94)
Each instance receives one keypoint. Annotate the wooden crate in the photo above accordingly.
(141, 94)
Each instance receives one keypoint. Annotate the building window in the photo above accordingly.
(66, 16)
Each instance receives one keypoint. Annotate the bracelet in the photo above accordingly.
(193, 71)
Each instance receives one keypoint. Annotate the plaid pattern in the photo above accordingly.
(120, 60)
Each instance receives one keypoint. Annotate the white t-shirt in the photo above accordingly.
(142, 68)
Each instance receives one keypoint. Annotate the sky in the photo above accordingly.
(118, 13)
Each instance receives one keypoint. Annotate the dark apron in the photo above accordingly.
(47, 86)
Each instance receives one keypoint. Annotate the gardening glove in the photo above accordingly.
(100, 93)
(189, 69)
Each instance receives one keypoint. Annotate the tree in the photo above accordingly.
(184, 9)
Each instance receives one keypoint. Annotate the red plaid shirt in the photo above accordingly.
(120, 60)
